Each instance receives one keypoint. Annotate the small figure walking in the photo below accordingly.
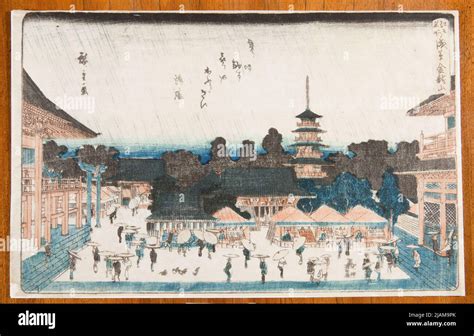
(119, 233)
(117, 271)
(108, 267)
(153, 256)
(299, 253)
(246, 253)
(169, 241)
(211, 248)
(366, 267)
(201, 245)
(96, 257)
(339, 249)
(47, 252)
(310, 269)
(127, 263)
(72, 266)
(416, 259)
(263, 269)
(227, 268)
(140, 251)
(378, 270)
(349, 268)
(113, 216)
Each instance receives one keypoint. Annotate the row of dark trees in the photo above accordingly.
(56, 165)
(187, 169)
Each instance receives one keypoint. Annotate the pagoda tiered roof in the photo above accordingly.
(308, 114)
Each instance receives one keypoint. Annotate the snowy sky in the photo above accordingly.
(357, 72)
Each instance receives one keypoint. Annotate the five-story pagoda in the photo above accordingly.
(308, 161)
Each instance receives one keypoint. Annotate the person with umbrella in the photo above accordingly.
(153, 256)
(140, 250)
(280, 257)
(119, 233)
(227, 268)
(96, 257)
(263, 269)
(281, 266)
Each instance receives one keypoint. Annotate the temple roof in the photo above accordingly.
(308, 114)
(171, 208)
(34, 96)
(436, 104)
(143, 170)
(254, 182)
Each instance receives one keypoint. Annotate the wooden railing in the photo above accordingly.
(438, 146)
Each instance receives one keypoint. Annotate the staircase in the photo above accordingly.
(37, 272)
(434, 272)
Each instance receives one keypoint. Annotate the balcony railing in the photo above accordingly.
(438, 146)
(47, 185)
(307, 139)
(307, 124)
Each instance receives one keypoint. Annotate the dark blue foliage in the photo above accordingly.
(391, 200)
(344, 193)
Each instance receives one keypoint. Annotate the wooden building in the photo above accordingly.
(46, 202)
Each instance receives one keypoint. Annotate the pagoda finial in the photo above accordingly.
(307, 92)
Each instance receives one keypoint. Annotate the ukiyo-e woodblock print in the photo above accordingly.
(236, 154)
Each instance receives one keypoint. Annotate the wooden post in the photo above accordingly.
(47, 224)
(442, 219)
(79, 207)
(29, 212)
(421, 210)
(65, 224)
(38, 187)
(54, 211)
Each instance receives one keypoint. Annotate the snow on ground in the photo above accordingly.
(210, 270)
